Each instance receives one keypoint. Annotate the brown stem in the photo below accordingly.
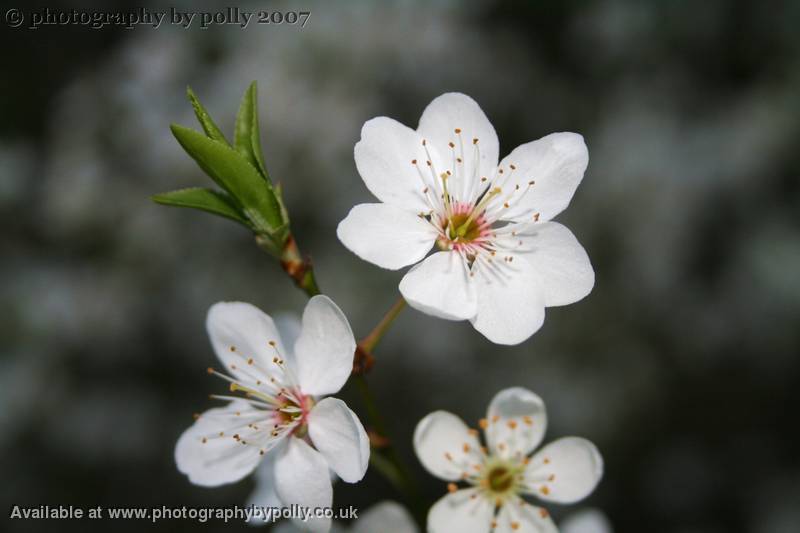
(368, 343)
(363, 360)
(298, 268)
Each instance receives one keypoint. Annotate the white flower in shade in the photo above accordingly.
(384, 517)
(586, 521)
(282, 417)
(500, 259)
(501, 474)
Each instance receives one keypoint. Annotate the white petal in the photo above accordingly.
(302, 478)
(517, 422)
(386, 235)
(264, 494)
(289, 327)
(384, 158)
(459, 512)
(555, 163)
(438, 124)
(218, 460)
(440, 286)
(386, 517)
(240, 331)
(510, 302)
(324, 351)
(562, 263)
(575, 466)
(445, 445)
(586, 521)
(339, 436)
(515, 517)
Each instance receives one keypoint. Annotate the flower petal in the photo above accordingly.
(459, 511)
(339, 436)
(302, 478)
(386, 235)
(445, 446)
(555, 164)
(324, 351)
(517, 421)
(384, 158)
(438, 125)
(240, 331)
(510, 302)
(586, 521)
(440, 286)
(289, 327)
(211, 460)
(386, 517)
(565, 471)
(562, 263)
(521, 517)
(264, 494)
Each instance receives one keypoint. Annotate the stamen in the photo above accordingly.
(431, 166)
(446, 195)
(478, 209)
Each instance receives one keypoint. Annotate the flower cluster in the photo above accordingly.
(499, 261)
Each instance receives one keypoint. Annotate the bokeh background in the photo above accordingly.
(682, 365)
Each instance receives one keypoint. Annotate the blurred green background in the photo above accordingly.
(682, 365)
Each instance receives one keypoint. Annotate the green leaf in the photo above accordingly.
(205, 119)
(280, 234)
(278, 188)
(208, 200)
(233, 173)
(268, 244)
(247, 139)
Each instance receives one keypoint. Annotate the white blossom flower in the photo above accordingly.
(586, 521)
(282, 417)
(384, 517)
(502, 473)
(501, 259)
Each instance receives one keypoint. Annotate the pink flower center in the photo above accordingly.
(294, 408)
(464, 229)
